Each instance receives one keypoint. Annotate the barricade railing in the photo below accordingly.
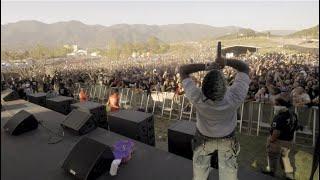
(308, 118)
(167, 104)
(255, 117)
(186, 108)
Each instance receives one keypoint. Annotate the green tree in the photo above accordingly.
(164, 48)
(39, 52)
(127, 49)
(153, 44)
(113, 50)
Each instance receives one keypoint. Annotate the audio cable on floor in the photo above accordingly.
(53, 139)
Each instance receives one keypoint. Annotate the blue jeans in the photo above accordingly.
(228, 150)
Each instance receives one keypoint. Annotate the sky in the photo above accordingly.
(258, 15)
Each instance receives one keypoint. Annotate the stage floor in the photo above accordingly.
(29, 156)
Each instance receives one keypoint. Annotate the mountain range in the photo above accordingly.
(26, 34)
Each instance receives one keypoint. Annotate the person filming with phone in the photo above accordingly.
(216, 107)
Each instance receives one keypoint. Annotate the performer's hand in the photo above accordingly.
(221, 62)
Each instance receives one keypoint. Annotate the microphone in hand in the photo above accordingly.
(219, 59)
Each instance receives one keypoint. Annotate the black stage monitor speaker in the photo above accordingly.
(180, 136)
(9, 95)
(133, 124)
(97, 110)
(88, 159)
(79, 122)
(21, 122)
(37, 98)
(60, 104)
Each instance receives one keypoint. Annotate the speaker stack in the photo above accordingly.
(133, 124)
(97, 110)
(60, 104)
(180, 136)
(37, 98)
(88, 159)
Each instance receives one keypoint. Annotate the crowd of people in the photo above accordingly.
(294, 76)
(277, 78)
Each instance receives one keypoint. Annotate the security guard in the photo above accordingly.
(279, 142)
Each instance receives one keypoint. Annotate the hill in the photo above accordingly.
(26, 34)
(280, 32)
(310, 33)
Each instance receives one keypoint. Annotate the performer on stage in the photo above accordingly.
(216, 107)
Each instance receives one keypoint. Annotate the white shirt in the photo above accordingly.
(219, 118)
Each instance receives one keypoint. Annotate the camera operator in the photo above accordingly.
(279, 143)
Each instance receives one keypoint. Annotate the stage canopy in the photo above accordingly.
(238, 50)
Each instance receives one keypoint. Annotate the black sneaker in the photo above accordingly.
(270, 173)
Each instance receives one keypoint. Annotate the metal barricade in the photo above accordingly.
(96, 91)
(253, 115)
(245, 116)
(125, 96)
(91, 92)
(240, 111)
(156, 97)
(167, 97)
(137, 98)
(104, 95)
(307, 118)
(186, 108)
(76, 91)
(145, 99)
(265, 116)
(315, 129)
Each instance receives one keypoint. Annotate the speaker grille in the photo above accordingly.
(79, 121)
(76, 119)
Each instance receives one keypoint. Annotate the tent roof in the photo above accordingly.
(256, 47)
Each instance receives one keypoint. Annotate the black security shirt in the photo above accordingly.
(286, 123)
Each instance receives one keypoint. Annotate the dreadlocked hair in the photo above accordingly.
(214, 85)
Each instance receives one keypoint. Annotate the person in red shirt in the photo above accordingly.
(113, 101)
(179, 89)
(82, 95)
